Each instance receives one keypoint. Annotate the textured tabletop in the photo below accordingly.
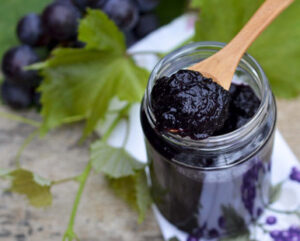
(102, 216)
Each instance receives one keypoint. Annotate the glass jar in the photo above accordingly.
(218, 185)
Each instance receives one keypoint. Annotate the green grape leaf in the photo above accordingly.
(124, 80)
(277, 49)
(134, 190)
(99, 32)
(10, 13)
(36, 189)
(194, 4)
(275, 192)
(233, 221)
(80, 83)
(114, 162)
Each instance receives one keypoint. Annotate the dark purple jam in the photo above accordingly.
(189, 189)
(189, 104)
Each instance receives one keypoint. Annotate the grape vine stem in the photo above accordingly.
(21, 119)
(69, 234)
(68, 179)
(287, 212)
(27, 141)
(82, 179)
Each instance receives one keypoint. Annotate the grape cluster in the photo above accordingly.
(291, 234)
(57, 26)
(249, 186)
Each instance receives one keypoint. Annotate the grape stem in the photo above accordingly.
(21, 119)
(262, 227)
(27, 141)
(68, 179)
(283, 211)
(69, 234)
(82, 179)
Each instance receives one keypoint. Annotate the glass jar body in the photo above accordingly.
(232, 182)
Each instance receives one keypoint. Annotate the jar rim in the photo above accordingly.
(220, 142)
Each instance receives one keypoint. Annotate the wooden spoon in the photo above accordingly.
(222, 65)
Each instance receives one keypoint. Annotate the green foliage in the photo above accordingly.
(10, 12)
(100, 33)
(134, 190)
(277, 49)
(114, 162)
(167, 10)
(80, 83)
(34, 187)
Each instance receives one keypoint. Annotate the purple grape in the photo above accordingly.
(147, 24)
(37, 99)
(295, 174)
(15, 96)
(123, 12)
(271, 220)
(77, 44)
(61, 21)
(30, 29)
(83, 4)
(147, 5)
(15, 60)
(96, 3)
(130, 38)
(68, 2)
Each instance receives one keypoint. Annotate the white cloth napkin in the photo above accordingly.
(163, 40)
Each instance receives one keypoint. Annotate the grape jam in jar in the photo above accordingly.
(217, 185)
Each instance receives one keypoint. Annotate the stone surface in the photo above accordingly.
(102, 216)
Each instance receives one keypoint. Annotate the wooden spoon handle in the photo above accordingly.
(222, 65)
(268, 11)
